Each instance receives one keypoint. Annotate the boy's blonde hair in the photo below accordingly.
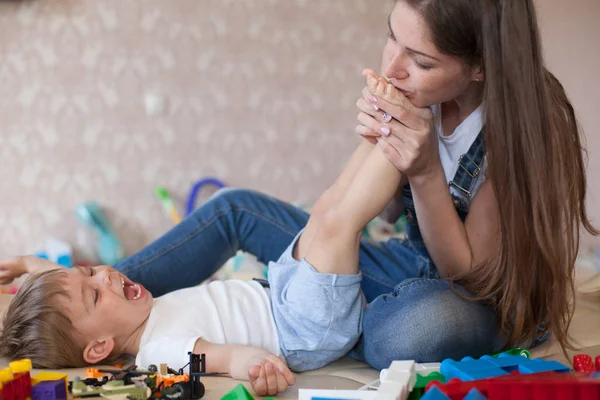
(36, 326)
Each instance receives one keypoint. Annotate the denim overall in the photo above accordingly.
(469, 168)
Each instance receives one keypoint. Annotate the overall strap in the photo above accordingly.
(469, 168)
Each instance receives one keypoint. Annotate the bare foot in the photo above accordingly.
(382, 88)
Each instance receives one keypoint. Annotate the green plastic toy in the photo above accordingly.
(240, 393)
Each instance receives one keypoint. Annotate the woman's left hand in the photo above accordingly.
(407, 132)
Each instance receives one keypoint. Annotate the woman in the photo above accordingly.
(489, 259)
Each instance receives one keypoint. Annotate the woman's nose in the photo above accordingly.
(396, 68)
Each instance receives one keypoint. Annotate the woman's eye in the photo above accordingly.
(423, 66)
(96, 295)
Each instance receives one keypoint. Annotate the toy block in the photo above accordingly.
(514, 352)
(434, 394)
(93, 373)
(539, 365)
(475, 394)
(425, 369)
(422, 382)
(49, 390)
(469, 369)
(9, 386)
(547, 385)
(50, 376)
(22, 378)
(597, 363)
(551, 386)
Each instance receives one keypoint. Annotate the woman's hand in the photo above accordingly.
(403, 131)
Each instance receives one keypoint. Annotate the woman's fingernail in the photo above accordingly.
(386, 117)
(385, 130)
(375, 107)
(373, 99)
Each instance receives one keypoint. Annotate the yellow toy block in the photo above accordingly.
(50, 376)
(20, 366)
(6, 375)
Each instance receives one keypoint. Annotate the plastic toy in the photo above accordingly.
(469, 369)
(240, 393)
(422, 382)
(398, 381)
(50, 376)
(21, 375)
(57, 251)
(547, 385)
(167, 203)
(49, 390)
(583, 363)
(195, 190)
(109, 250)
(514, 352)
(112, 389)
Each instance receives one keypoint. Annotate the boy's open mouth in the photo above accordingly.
(132, 291)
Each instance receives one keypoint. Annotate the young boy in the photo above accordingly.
(309, 316)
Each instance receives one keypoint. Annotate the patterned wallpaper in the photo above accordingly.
(258, 93)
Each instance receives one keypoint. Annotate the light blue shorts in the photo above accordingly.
(318, 316)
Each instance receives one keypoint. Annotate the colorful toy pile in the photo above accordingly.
(505, 376)
(16, 383)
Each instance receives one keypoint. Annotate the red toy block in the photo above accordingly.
(597, 363)
(547, 386)
(583, 363)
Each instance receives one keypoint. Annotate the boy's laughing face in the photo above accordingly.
(107, 310)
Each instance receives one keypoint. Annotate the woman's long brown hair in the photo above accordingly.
(535, 164)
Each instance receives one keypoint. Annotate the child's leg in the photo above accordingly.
(334, 248)
(332, 196)
(380, 87)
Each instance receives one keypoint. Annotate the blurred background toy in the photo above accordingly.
(108, 248)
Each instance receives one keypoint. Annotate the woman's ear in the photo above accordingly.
(478, 75)
(98, 350)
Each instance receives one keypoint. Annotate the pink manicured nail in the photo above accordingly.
(385, 130)
(386, 117)
(375, 107)
(373, 99)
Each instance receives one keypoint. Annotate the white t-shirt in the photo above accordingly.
(222, 312)
(458, 143)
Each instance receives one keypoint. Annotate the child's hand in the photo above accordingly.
(270, 376)
(13, 268)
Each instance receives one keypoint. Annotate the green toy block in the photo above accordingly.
(514, 352)
(422, 382)
(240, 393)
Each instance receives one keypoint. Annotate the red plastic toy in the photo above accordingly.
(546, 385)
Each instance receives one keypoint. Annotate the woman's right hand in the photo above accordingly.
(370, 118)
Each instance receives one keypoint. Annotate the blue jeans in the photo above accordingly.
(411, 315)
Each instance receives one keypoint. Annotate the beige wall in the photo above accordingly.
(259, 93)
(571, 38)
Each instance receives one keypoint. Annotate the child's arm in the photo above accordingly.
(267, 373)
(15, 267)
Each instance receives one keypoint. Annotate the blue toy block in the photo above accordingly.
(538, 365)
(434, 394)
(475, 394)
(49, 390)
(470, 369)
